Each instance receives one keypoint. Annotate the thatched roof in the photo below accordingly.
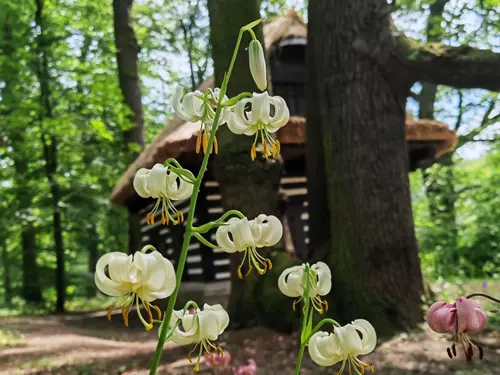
(179, 137)
(286, 26)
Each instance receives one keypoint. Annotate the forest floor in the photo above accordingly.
(86, 344)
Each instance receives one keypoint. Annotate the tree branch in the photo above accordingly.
(462, 67)
(485, 122)
(460, 110)
(492, 140)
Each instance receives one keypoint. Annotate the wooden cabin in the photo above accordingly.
(286, 43)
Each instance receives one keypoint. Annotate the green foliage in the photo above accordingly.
(476, 252)
(88, 119)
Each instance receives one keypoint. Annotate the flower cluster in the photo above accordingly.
(259, 115)
(145, 276)
(345, 343)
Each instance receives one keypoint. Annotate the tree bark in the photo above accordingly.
(251, 187)
(127, 49)
(50, 150)
(93, 254)
(32, 291)
(359, 112)
(7, 284)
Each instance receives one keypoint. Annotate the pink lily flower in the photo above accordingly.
(463, 318)
(250, 369)
(218, 360)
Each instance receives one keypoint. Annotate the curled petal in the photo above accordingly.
(261, 108)
(140, 183)
(177, 188)
(272, 230)
(324, 278)
(442, 317)
(221, 315)
(193, 105)
(369, 336)
(178, 108)
(243, 236)
(349, 339)
(223, 239)
(281, 115)
(289, 281)
(213, 321)
(324, 349)
(102, 281)
(471, 318)
(238, 122)
(158, 273)
(157, 180)
(189, 334)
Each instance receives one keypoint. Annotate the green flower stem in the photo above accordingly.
(306, 318)
(189, 224)
(148, 247)
(204, 241)
(236, 99)
(322, 323)
(217, 223)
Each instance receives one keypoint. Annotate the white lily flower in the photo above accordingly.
(200, 107)
(200, 328)
(242, 235)
(267, 115)
(257, 63)
(165, 185)
(344, 344)
(292, 283)
(135, 278)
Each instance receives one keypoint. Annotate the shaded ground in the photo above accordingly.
(87, 344)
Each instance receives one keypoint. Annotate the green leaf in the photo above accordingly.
(101, 129)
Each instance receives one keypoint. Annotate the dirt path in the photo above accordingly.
(88, 344)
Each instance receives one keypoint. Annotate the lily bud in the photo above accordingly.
(258, 64)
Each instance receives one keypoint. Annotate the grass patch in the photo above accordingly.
(10, 338)
(19, 307)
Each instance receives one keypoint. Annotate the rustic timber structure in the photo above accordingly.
(286, 43)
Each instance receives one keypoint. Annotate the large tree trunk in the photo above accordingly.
(127, 50)
(251, 187)
(7, 284)
(93, 255)
(357, 110)
(32, 291)
(50, 149)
